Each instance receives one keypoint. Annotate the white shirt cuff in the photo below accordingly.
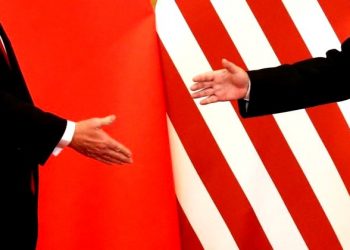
(247, 95)
(66, 138)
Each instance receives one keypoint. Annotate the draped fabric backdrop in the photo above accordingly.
(280, 181)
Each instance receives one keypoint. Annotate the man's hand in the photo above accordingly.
(89, 139)
(229, 83)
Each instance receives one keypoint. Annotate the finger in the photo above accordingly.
(111, 144)
(107, 120)
(121, 158)
(201, 85)
(209, 99)
(119, 148)
(108, 160)
(230, 66)
(208, 76)
(116, 157)
(102, 159)
(123, 150)
(203, 93)
(109, 156)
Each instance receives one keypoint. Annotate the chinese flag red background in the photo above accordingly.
(85, 59)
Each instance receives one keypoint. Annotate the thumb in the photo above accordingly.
(108, 120)
(231, 67)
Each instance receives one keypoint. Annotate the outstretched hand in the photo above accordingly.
(91, 140)
(229, 83)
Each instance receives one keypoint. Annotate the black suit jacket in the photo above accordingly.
(28, 137)
(303, 84)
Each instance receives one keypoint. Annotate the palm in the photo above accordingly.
(228, 86)
(230, 83)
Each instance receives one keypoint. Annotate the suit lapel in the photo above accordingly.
(4, 58)
(17, 84)
(8, 47)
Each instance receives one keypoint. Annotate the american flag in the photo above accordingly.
(274, 182)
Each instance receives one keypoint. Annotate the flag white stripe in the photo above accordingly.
(229, 133)
(200, 209)
(296, 126)
(317, 32)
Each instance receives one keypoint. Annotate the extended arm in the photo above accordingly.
(287, 87)
(37, 133)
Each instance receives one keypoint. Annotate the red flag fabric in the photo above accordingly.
(280, 181)
(85, 59)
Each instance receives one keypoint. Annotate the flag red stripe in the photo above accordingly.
(189, 239)
(210, 163)
(283, 168)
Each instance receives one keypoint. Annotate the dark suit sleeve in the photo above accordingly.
(29, 129)
(300, 85)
